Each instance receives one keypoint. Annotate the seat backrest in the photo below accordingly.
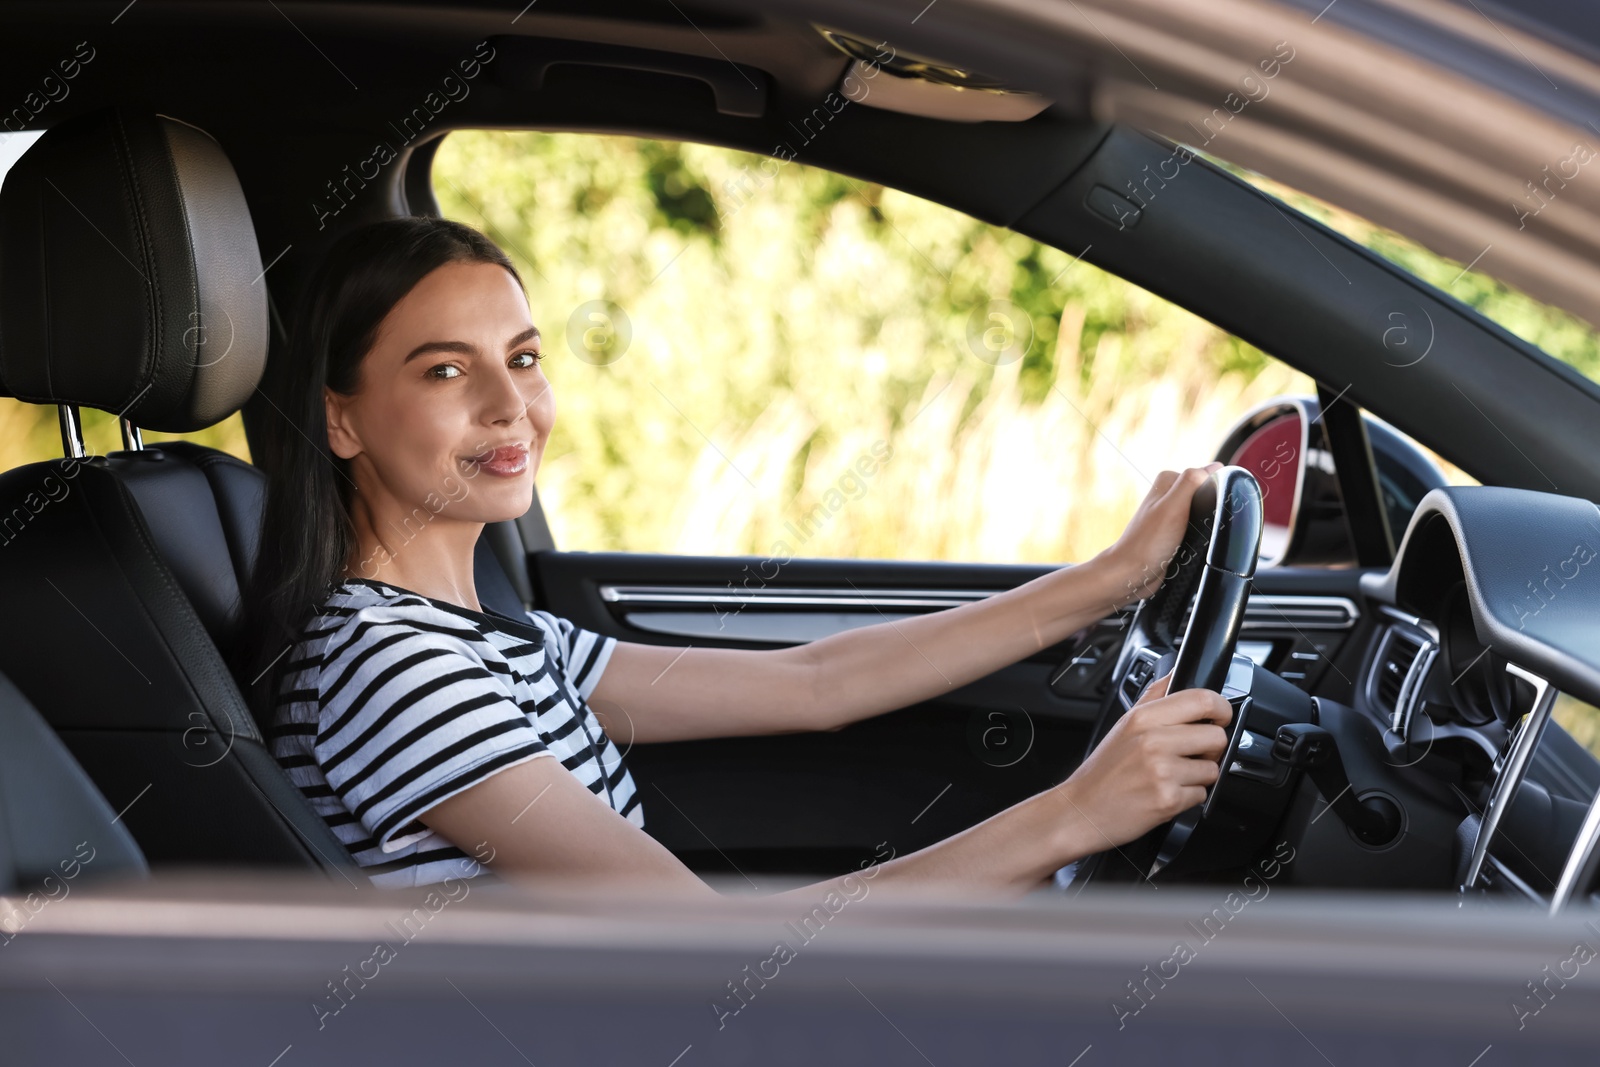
(204, 509)
(100, 635)
(128, 266)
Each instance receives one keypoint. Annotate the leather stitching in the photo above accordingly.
(190, 267)
(152, 288)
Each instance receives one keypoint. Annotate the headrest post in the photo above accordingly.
(131, 440)
(71, 431)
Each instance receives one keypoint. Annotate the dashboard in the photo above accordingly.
(1487, 652)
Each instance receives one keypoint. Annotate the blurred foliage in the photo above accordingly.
(1579, 719)
(784, 318)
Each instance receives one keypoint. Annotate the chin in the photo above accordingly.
(511, 504)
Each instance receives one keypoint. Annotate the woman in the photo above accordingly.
(414, 720)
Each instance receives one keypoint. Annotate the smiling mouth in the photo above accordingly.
(507, 459)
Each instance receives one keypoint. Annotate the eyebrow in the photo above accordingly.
(467, 349)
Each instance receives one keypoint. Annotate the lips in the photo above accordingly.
(507, 460)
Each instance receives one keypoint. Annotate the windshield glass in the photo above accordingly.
(1557, 333)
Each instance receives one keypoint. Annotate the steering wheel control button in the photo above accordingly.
(1141, 672)
(1086, 671)
(1241, 673)
(1252, 758)
(1307, 660)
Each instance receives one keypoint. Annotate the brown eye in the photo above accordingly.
(535, 356)
(454, 371)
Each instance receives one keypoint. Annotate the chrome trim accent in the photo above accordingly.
(1303, 612)
(1509, 774)
(71, 431)
(1417, 621)
(867, 598)
(1273, 611)
(1405, 700)
(1395, 613)
(1262, 610)
(1581, 861)
(777, 627)
(1411, 690)
(1240, 678)
(131, 440)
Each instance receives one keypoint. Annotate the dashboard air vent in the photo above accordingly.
(1398, 656)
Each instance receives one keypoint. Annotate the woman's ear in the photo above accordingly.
(341, 439)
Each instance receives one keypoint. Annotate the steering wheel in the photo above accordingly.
(1212, 570)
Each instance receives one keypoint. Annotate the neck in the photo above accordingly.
(431, 557)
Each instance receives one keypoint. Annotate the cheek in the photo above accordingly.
(541, 401)
(418, 446)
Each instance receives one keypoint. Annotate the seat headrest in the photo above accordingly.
(130, 279)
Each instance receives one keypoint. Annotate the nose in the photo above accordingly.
(504, 403)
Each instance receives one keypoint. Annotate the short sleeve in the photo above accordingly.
(583, 653)
(412, 713)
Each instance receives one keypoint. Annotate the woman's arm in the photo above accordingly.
(535, 821)
(661, 693)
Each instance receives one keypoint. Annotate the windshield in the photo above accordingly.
(1559, 334)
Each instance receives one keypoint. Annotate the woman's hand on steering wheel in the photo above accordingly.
(1153, 764)
(1153, 535)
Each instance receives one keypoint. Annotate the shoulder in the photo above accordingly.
(561, 629)
(583, 653)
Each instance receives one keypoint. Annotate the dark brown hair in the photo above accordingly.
(307, 535)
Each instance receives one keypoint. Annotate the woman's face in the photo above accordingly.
(451, 411)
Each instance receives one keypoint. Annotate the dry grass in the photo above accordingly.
(1011, 480)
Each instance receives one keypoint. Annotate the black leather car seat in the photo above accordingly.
(56, 830)
(128, 283)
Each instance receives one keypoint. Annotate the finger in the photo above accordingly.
(1185, 485)
(1164, 481)
(1200, 740)
(1200, 772)
(1190, 705)
(1154, 690)
(1188, 797)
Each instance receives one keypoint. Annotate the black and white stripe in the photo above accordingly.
(393, 701)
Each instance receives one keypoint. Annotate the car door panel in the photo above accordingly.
(814, 803)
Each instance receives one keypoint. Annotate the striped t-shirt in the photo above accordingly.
(393, 701)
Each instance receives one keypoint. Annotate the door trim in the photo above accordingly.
(661, 609)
